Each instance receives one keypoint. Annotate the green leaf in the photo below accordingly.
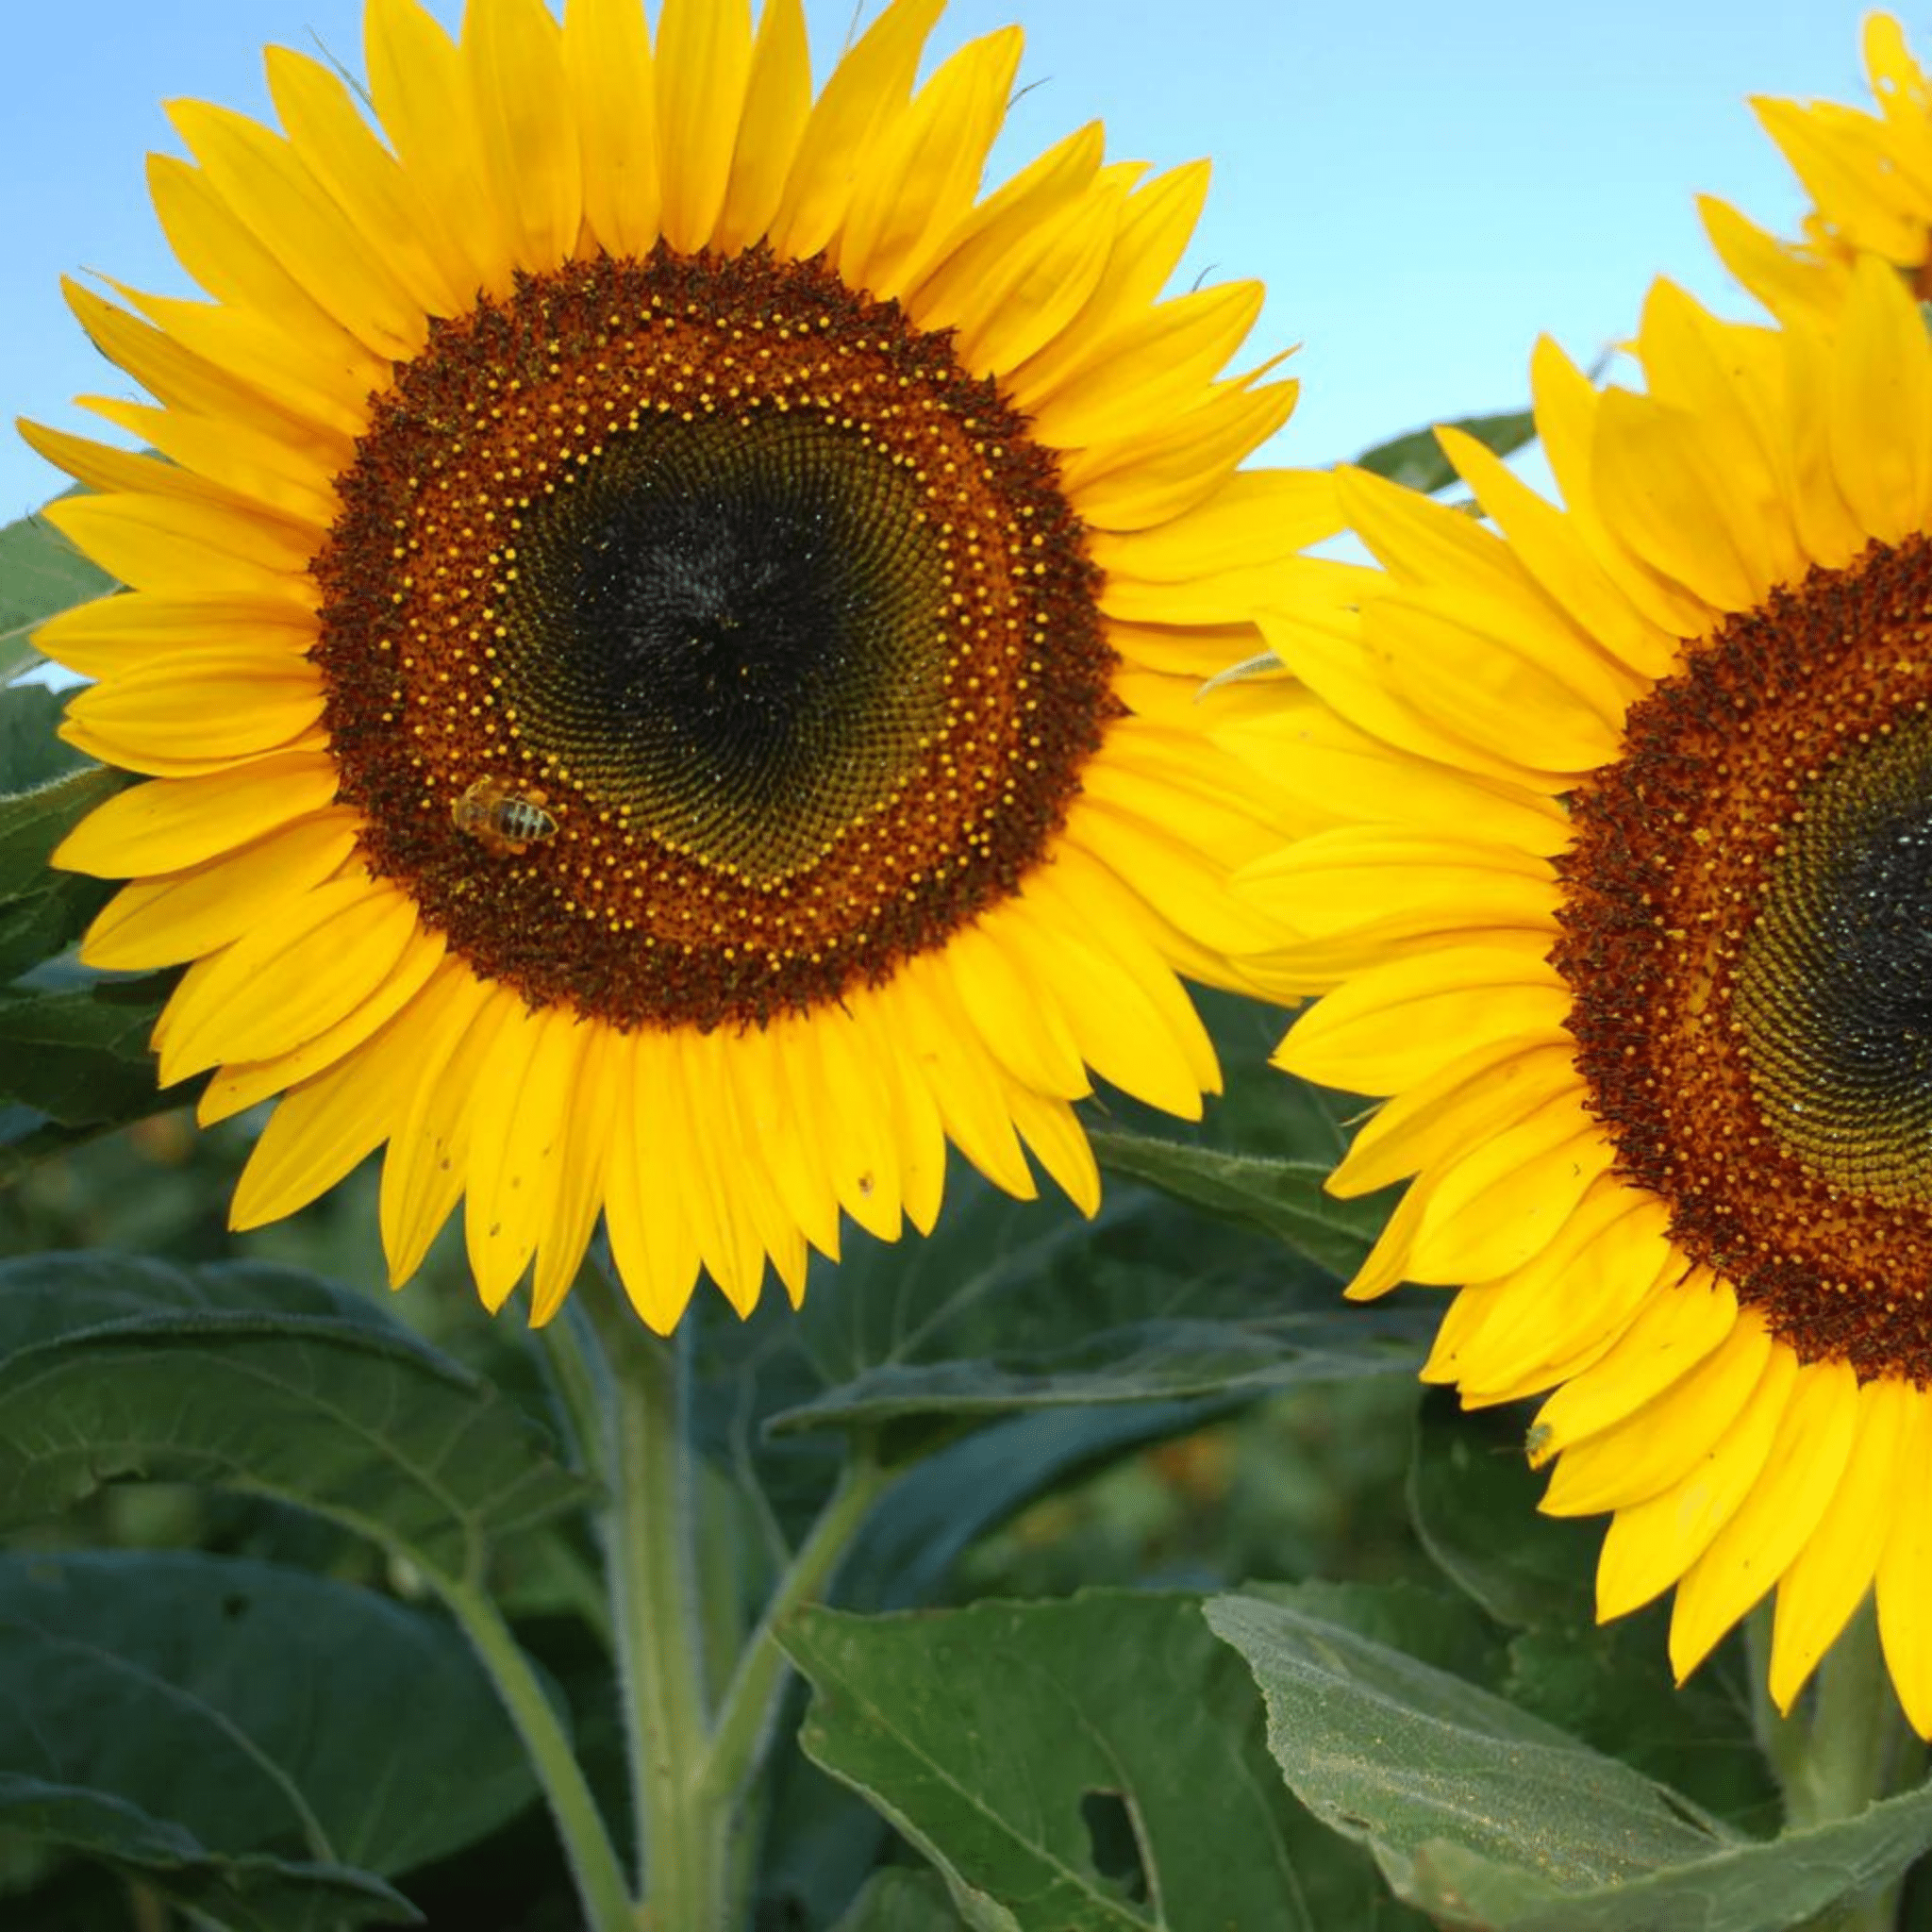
(1011, 1308)
(1472, 1498)
(899, 1899)
(1481, 1814)
(251, 1893)
(1416, 460)
(262, 1379)
(32, 753)
(42, 911)
(40, 573)
(164, 1678)
(1282, 1198)
(1074, 1766)
(81, 1057)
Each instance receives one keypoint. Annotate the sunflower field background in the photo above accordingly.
(1080, 1561)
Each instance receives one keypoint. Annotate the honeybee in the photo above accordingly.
(502, 822)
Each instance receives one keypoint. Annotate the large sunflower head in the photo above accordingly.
(1623, 902)
(1869, 176)
(663, 633)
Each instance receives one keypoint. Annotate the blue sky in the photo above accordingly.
(1423, 188)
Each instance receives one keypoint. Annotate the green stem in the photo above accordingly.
(1849, 1749)
(654, 1582)
(593, 1858)
(751, 1701)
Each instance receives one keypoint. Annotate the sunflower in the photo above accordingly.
(664, 632)
(1870, 179)
(1621, 900)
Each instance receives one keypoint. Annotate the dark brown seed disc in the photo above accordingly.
(700, 641)
(1748, 938)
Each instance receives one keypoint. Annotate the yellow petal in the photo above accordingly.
(180, 548)
(777, 105)
(1494, 1086)
(1830, 1576)
(961, 1078)
(288, 978)
(652, 1241)
(423, 103)
(1545, 543)
(319, 1133)
(927, 168)
(198, 711)
(247, 460)
(1393, 1027)
(1153, 232)
(1905, 1574)
(1166, 471)
(337, 266)
(1014, 1013)
(1505, 1199)
(1881, 398)
(1774, 1519)
(582, 1170)
(1658, 1446)
(176, 822)
(1577, 1295)
(423, 1172)
(512, 52)
(1678, 1328)
(373, 194)
(1166, 357)
(244, 1084)
(1650, 1544)
(114, 635)
(612, 92)
(524, 1095)
(215, 245)
(1053, 1133)
(703, 61)
(865, 93)
(179, 916)
(1259, 513)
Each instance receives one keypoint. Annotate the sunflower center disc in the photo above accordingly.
(1748, 933)
(734, 633)
(700, 641)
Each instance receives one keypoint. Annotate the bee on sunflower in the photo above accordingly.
(662, 635)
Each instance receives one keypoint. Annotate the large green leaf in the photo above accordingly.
(266, 1381)
(253, 1893)
(40, 573)
(1416, 459)
(1481, 1814)
(1074, 1766)
(254, 1707)
(1473, 1499)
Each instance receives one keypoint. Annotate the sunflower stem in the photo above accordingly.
(654, 1556)
(751, 1702)
(594, 1861)
(1842, 1752)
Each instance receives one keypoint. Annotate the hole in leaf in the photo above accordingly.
(1114, 1842)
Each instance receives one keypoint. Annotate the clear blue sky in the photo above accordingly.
(1423, 187)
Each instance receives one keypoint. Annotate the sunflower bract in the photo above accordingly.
(664, 631)
(1621, 900)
